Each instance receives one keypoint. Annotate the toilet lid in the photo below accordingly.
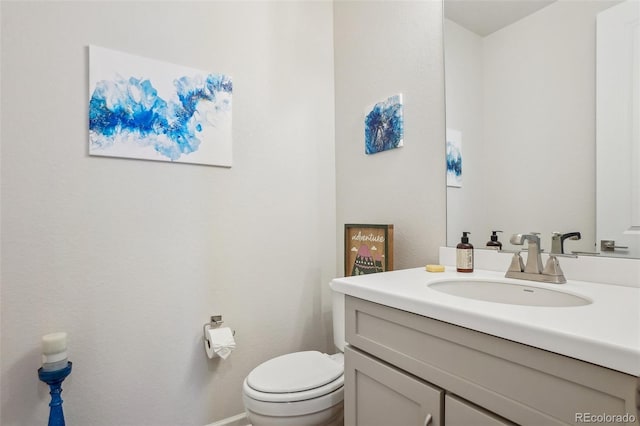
(296, 372)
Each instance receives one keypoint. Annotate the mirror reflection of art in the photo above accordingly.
(384, 126)
(454, 158)
(147, 109)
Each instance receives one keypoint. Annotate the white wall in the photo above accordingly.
(131, 257)
(538, 156)
(381, 49)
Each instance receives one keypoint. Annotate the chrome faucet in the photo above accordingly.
(557, 240)
(534, 259)
(533, 270)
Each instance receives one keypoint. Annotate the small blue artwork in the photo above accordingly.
(147, 109)
(454, 158)
(384, 126)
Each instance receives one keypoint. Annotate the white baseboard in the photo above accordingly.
(237, 420)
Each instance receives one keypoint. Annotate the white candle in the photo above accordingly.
(54, 343)
(54, 351)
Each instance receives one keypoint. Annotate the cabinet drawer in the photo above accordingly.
(377, 394)
(461, 413)
(523, 384)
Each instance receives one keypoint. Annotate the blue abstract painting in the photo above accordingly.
(147, 109)
(384, 126)
(454, 158)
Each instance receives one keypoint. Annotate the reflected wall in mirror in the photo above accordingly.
(522, 93)
(618, 126)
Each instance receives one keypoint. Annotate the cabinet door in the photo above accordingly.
(459, 412)
(379, 394)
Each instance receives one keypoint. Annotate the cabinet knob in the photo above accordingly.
(427, 420)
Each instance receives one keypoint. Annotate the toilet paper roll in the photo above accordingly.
(219, 342)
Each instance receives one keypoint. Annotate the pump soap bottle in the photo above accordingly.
(464, 254)
(494, 243)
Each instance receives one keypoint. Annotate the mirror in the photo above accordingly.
(520, 82)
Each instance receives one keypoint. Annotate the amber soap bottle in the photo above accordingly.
(493, 243)
(464, 254)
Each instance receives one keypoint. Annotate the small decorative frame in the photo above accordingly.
(367, 249)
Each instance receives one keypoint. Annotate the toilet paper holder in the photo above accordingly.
(216, 321)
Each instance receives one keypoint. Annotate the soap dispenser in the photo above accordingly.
(493, 243)
(464, 254)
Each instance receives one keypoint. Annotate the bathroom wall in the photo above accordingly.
(382, 49)
(131, 257)
(538, 136)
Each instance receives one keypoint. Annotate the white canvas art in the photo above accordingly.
(148, 109)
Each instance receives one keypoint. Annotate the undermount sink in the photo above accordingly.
(509, 293)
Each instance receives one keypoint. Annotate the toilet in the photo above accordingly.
(300, 388)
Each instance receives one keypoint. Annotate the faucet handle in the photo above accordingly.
(517, 264)
(552, 269)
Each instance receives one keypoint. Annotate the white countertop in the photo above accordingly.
(605, 332)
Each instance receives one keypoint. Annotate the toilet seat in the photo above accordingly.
(298, 376)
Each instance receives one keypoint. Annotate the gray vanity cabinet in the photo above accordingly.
(385, 396)
(378, 394)
(401, 367)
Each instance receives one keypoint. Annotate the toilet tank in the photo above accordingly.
(338, 320)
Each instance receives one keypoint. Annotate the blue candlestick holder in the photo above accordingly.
(54, 379)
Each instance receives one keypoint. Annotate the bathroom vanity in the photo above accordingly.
(416, 356)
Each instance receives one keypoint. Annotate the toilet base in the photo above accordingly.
(332, 416)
